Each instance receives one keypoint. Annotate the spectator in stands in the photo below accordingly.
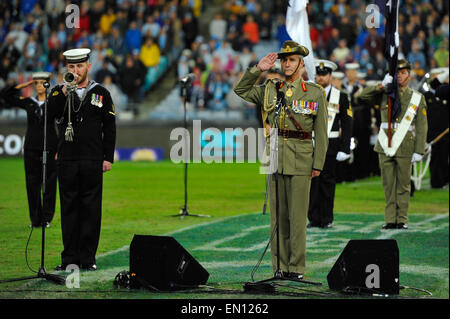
(282, 34)
(121, 22)
(441, 54)
(218, 88)
(116, 94)
(103, 72)
(151, 28)
(129, 82)
(416, 55)
(116, 43)
(326, 30)
(333, 42)
(150, 53)
(10, 51)
(106, 21)
(373, 42)
(190, 30)
(265, 26)
(380, 65)
(133, 37)
(218, 27)
(436, 39)
(342, 53)
(251, 28)
(347, 30)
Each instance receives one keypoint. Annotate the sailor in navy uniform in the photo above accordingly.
(321, 203)
(41, 210)
(437, 123)
(85, 122)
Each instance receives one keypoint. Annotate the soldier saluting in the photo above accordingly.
(41, 211)
(409, 133)
(86, 131)
(303, 112)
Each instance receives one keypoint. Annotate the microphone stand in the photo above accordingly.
(278, 275)
(42, 273)
(184, 211)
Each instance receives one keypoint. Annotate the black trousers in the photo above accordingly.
(80, 189)
(439, 163)
(41, 210)
(321, 201)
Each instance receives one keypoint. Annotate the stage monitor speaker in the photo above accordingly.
(367, 266)
(161, 262)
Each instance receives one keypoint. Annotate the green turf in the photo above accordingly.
(139, 198)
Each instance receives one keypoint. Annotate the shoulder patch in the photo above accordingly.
(350, 111)
(55, 93)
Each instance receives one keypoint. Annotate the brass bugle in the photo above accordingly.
(69, 77)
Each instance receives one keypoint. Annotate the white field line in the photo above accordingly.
(105, 275)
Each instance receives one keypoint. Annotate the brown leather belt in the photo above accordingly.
(295, 134)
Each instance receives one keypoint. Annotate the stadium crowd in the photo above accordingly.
(134, 42)
(338, 33)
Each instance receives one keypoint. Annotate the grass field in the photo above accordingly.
(140, 197)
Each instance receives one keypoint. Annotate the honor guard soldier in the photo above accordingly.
(321, 203)
(409, 133)
(301, 110)
(41, 211)
(85, 122)
(336, 80)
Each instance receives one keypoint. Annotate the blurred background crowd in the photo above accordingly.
(136, 42)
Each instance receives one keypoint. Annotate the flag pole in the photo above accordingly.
(389, 121)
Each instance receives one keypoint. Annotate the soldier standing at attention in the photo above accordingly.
(41, 211)
(409, 133)
(303, 111)
(321, 203)
(86, 139)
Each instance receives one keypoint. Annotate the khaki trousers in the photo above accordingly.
(396, 175)
(293, 210)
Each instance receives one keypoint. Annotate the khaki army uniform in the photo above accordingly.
(297, 157)
(396, 170)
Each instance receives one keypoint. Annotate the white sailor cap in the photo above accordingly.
(338, 75)
(324, 66)
(352, 66)
(77, 55)
(361, 75)
(434, 71)
(41, 75)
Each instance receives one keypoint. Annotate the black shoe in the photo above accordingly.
(389, 226)
(294, 275)
(89, 267)
(402, 226)
(311, 225)
(63, 266)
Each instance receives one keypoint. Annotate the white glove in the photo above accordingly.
(341, 156)
(416, 157)
(388, 79)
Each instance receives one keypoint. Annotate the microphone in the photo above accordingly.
(188, 78)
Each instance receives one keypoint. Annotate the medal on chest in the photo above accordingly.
(289, 93)
(97, 100)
